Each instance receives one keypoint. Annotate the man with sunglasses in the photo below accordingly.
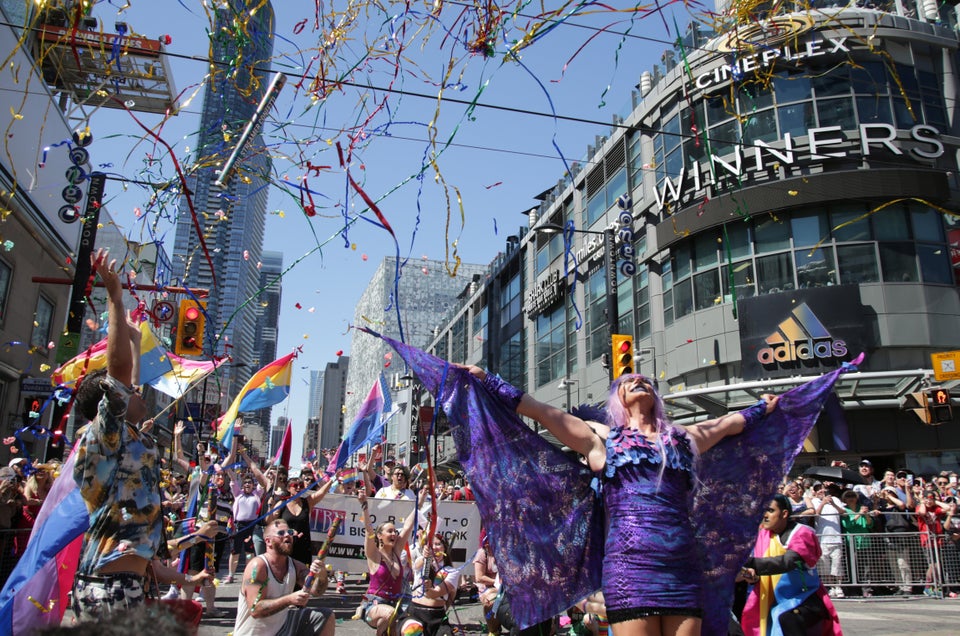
(399, 487)
(267, 591)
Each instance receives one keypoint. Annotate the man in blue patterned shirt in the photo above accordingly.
(117, 470)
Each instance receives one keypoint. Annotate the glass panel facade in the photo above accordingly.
(899, 262)
(858, 264)
(775, 273)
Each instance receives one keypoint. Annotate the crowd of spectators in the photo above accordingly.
(893, 530)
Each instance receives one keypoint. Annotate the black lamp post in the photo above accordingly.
(609, 268)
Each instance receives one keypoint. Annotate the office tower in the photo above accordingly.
(232, 218)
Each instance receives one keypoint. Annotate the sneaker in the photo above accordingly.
(228, 578)
(952, 595)
(216, 612)
(341, 589)
(929, 591)
(835, 592)
(171, 594)
(867, 592)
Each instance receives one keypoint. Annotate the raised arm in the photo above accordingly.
(178, 455)
(369, 536)
(123, 338)
(707, 434)
(257, 473)
(586, 439)
(315, 497)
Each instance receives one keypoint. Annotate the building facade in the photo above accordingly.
(784, 199)
(426, 293)
(232, 218)
(268, 321)
(333, 397)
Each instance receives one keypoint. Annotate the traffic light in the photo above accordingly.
(941, 411)
(622, 358)
(190, 325)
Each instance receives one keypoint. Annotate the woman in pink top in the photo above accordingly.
(384, 549)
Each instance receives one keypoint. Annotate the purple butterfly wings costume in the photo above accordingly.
(547, 525)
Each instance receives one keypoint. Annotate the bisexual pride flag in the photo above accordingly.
(367, 428)
(35, 595)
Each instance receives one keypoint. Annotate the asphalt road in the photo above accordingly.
(878, 616)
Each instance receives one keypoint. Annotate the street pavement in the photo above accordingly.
(878, 616)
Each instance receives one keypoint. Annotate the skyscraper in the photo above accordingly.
(233, 218)
(268, 319)
(315, 401)
(427, 294)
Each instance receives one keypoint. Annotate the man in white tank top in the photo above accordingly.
(267, 596)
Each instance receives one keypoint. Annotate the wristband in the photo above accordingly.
(508, 394)
(754, 413)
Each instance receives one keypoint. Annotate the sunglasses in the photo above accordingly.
(285, 533)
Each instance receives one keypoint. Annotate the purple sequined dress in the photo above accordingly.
(651, 564)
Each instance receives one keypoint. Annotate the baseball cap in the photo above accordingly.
(866, 462)
(17, 460)
(389, 460)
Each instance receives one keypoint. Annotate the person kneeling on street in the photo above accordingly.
(267, 591)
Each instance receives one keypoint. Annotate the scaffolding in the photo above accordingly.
(95, 69)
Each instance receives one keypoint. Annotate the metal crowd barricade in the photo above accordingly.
(885, 563)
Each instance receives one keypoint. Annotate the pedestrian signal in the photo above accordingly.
(941, 411)
(190, 325)
(622, 358)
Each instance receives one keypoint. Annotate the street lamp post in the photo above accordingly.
(610, 271)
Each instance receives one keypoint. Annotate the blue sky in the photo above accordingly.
(498, 161)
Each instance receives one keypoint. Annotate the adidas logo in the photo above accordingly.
(800, 337)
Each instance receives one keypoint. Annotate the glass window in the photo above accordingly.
(738, 235)
(682, 298)
(869, 78)
(858, 264)
(753, 98)
(718, 110)
(836, 112)
(926, 223)
(771, 234)
(707, 289)
(6, 275)
(791, 88)
(681, 260)
(673, 163)
(616, 185)
(833, 82)
(705, 250)
(671, 134)
(724, 137)
(796, 119)
(743, 281)
(935, 263)
(853, 229)
(596, 207)
(550, 347)
(761, 125)
(899, 262)
(891, 223)
(809, 229)
(42, 320)
(816, 269)
(906, 115)
(874, 110)
(668, 308)
(775, 273)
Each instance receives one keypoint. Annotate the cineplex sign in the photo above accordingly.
(757, 47)
(821, 143)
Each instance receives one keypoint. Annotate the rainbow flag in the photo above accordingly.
(154, 360)
(35, 595)
(266, 387)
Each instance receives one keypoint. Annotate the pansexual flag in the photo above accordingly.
(266, 387)
(154, 360)
(183, 374)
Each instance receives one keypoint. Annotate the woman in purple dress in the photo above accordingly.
(652, 580)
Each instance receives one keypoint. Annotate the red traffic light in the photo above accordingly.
(625, 346)
(191, 313)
